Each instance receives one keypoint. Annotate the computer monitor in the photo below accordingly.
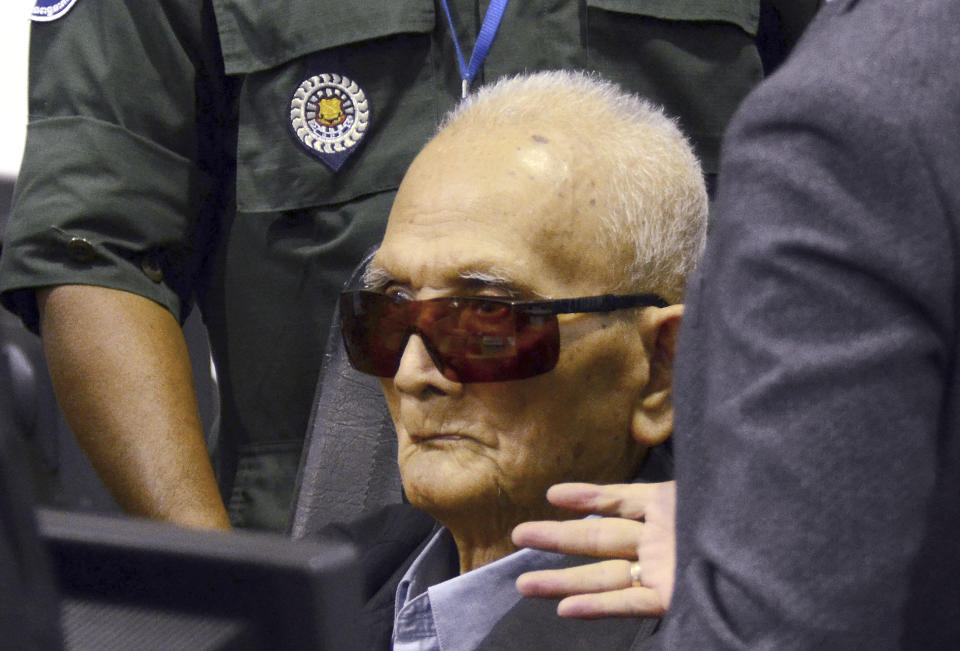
(135, 584)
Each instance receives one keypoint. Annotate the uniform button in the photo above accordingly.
(80, 249)
(151, 268)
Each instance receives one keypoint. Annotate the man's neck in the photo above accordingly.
(473, 556)
(484, 536)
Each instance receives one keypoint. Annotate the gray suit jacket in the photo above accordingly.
(818, 442)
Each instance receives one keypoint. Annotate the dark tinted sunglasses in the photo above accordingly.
(477, 339)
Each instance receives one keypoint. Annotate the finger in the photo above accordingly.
(629, 602)
(595, 577)
(625, 500)
(597, 537)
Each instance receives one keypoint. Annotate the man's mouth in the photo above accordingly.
(438, 438)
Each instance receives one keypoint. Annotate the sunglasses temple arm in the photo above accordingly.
(606, 303)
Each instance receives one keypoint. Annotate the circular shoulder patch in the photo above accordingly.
(329, 114)
(46, 10)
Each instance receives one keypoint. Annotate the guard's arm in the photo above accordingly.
(122, 375)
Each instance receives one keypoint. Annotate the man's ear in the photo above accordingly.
(652, 421)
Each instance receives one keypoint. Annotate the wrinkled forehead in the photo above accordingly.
(508, 204)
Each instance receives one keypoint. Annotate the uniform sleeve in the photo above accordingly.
(128, 149)
(812, 364)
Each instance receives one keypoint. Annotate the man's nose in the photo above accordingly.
(418, 374)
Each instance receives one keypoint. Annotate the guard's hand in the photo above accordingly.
(639, 534)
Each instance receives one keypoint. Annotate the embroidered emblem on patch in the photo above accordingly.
(330, 114)
(46, 10)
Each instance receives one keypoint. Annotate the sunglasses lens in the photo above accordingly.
(470, 339)
(374, 329)
(495, 341)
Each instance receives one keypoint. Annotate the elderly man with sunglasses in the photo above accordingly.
(521, 312)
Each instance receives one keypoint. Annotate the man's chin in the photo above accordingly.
(442, 483)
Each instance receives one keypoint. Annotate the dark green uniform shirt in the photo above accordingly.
(160, 160)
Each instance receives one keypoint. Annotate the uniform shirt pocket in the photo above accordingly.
(385, 49)
(745, 14)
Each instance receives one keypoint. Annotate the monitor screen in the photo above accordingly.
(135, 584)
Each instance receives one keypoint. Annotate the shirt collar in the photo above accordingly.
(463, 608)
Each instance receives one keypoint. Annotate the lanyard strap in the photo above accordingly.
(488, 31)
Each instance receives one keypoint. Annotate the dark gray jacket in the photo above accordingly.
(818, 442)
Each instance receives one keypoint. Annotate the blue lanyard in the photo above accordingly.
(488, 31)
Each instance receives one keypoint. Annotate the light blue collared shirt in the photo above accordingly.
(434, 612)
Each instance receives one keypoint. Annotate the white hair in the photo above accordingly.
(656, 196)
